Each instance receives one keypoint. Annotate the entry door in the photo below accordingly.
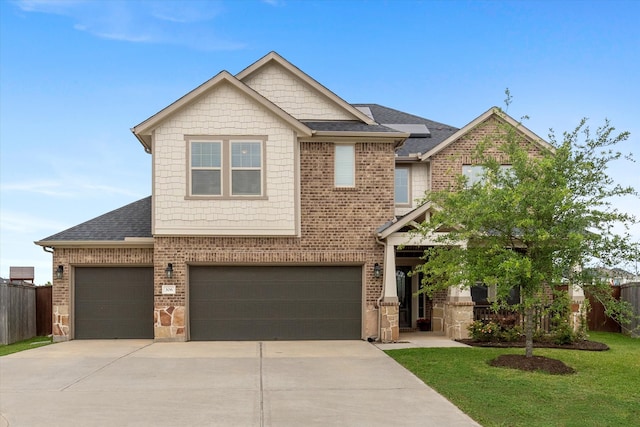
(403, 285)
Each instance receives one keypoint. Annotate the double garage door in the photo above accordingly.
(225, 303)
(275, 303)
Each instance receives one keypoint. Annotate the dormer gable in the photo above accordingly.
(297, 93)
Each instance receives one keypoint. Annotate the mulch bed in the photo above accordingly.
(578, 345)
(536, 363)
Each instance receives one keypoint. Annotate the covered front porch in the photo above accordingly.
(403, 309)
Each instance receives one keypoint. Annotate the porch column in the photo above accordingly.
(389, 327)
(576, 295)
(458, 312)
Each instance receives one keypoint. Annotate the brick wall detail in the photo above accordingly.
(447, 164)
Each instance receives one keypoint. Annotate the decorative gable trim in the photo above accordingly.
(143, 131)
(407, 220)
(493, 111)
(273, 56)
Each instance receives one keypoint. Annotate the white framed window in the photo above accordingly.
(246, 168)
(225, 167)
(206, 168)
(402, 185)
(345, 166)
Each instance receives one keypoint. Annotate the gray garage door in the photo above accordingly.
(113, 302)
(275, 303)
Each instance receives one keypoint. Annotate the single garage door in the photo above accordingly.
(275, 303)
(113, 302)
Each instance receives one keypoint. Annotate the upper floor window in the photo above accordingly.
(345, 166)
(402, 188)
(475, 174)
(225, 167)
(246, 168)
(206, 168)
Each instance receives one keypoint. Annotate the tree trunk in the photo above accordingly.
(528, 331)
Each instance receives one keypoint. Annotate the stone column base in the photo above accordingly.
(389, 327)
(458, 316)
(577, 316)
(60, 326)
(169, 324)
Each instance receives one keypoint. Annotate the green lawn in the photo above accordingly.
(605, 391)
(24, 345)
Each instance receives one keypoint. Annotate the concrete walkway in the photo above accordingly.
(141, 383)
(420, 340)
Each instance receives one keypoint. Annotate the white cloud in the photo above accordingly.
(159, 22)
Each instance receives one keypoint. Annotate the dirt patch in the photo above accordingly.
(535, 363)
(577, 345)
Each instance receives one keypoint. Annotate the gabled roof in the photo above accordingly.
(274, 57)
(143, 130)
(392, 226)
(417, 143)
(120, 225)
(493, 111)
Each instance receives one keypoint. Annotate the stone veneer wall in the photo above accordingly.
(458, 317)
(87, 257)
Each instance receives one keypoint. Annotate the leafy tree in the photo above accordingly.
(534, 225)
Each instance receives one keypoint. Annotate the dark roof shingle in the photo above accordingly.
(132, 220)
(438, 131)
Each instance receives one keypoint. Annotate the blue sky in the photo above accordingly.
(76, 75)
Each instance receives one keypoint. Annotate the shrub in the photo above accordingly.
(481, 331)
(512, 334)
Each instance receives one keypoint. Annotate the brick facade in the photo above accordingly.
(447, 164)
(337, 228)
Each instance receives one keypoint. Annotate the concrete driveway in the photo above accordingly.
(141, 383)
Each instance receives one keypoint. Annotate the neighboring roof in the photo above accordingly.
(274, 57)
(419, 142)
(143, 130)
(132, 220)
(493, 111)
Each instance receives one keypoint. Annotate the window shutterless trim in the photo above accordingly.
(225, 168)
(352, 184)
(409, 201)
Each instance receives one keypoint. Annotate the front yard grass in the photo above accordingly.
(24, 345)
(605, 391)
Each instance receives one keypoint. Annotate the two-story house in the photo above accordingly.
(277, 212)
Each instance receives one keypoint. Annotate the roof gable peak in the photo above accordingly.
(274, 57)
(493, 111)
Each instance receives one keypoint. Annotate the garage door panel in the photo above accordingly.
(113, 302)
(265, 303)
(249, 330)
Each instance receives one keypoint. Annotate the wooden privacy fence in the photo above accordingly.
(44, 310)
(630, 292)
(17, 312)
(25, 311)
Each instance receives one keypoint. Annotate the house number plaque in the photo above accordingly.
(168, 289)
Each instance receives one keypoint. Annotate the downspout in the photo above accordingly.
(44, 248)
